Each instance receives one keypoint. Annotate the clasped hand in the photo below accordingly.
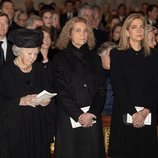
(139, 118)
(29, 100)
(86, 119)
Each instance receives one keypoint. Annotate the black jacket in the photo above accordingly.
(79, 82)
(135, 83)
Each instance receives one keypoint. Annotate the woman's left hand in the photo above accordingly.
(45, 102)
(86, 119)
(139, 118)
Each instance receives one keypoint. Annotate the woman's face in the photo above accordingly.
(46, 40)
(79, 34)
(28, 56)
(117, 33)
(105, 58)
(55, 20)
(151, 39)
(135, 32)
(22, 19)
(47, 19)
(114, 22)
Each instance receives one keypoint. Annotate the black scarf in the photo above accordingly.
(79, 52)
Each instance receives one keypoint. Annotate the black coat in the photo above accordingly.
(48, 66)
(79, 82)
(9, 53)
(101, 36)
(24, 131)
(134, 81)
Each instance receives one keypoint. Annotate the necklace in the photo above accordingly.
(26, 69)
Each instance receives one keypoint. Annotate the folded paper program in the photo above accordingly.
(44, 95)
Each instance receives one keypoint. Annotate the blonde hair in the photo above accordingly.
(151, 28)
(124, 40)
(64, 39)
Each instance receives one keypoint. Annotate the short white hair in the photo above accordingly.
(16, 50)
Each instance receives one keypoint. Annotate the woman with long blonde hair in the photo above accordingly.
(134, 78)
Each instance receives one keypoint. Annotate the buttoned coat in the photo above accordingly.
(79, 82)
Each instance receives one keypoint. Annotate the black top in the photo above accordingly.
(79, 81)
(24, 129)
(134, 80)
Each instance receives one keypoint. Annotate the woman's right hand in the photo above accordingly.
(86, 119)
(28, 100)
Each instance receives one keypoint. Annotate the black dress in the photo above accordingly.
(134, 81)
(26, 131)
(79, 82)
(48, 65)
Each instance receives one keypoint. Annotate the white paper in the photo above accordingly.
(43, 95)
(77, 124)
(147, 120)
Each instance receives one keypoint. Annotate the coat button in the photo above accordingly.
(85, 85)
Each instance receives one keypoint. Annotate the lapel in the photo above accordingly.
(9, 53)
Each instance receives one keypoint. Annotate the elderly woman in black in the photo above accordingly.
(24, 122)
(80, 84)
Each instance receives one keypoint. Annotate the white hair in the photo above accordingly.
(16, 50)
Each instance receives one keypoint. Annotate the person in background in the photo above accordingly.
(77, 5)
(106, 9)
(113, 21)
(144, 6)
(134, 78)
(34, 22)
(46, 54)
(104, 53)
(51, 21)
(100, 34)
(30, 8)
(47, 17)
(156, 38)
(26, 123)
(6, 54)
(40, 6)
(86, 12)
(69, 12)
(20, 19)
(79, 80)
(122, 11)
(151, 36)
(55, 26)
(7, 7)
(115, 33)
(152, 15)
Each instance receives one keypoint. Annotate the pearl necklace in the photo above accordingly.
(27, 69)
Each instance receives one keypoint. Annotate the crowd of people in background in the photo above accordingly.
(96, 58)
(106, 22)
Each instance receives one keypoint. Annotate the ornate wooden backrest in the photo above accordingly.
(106, 119)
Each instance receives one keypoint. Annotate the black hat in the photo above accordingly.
(26, 38)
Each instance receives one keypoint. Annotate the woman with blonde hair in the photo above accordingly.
(151, 36)
(80, 83)
(134, 78)
(64, 37)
